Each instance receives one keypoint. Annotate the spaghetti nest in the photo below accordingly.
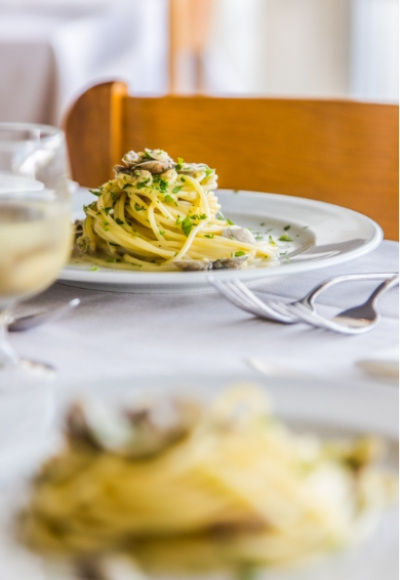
(177, 486)
(158, 214)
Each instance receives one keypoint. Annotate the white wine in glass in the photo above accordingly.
(35, 226)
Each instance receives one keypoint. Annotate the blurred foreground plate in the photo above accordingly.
(306, 405)
(321, 235)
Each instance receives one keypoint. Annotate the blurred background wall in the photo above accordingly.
(343, 48)
(51, 50)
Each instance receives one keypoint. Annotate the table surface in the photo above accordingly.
(126, 341)
(113, 334)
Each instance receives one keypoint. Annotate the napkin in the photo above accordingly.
(384, 364)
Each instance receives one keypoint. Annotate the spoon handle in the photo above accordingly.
(316, 291)
(386, 285)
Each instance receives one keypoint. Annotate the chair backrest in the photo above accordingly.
(338, 151)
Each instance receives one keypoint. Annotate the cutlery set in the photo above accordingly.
(355, 320)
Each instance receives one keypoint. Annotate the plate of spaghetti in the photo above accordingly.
(161, 224)
(224, 479)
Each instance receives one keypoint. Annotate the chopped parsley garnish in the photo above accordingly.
(187, 226)
(108, 209)
(236, 190)
(210, 236)
(179, 165)
(142, 184)
(139, 207)
(163, 185)
(285, 256)
(96, 192)
(113, 244)
(127, 185)
(285, 238)
(209, 171)
(271, 240)
(168, 198)
(177, 189)
(147, 154)
(286, 228)
(162, 232)
(94, 269)
(178, 219)
(119, 221)
(230, 222)
(239, 253)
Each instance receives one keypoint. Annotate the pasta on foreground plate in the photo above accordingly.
(176, 488)
(158, 214)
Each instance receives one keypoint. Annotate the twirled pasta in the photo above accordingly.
(158, 214)
(178, 487)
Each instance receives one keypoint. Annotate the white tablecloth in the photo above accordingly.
(117, 334)
(114, 336)
(52, 51)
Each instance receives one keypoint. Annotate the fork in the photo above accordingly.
(355, 320)
(287, 312)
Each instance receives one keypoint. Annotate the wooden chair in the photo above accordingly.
(338, 151)
(189, 28)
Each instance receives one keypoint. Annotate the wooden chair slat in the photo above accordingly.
(339, 151)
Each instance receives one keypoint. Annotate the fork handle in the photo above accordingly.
(310, 298)
(389, 283)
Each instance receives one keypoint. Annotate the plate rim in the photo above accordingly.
(134, 278)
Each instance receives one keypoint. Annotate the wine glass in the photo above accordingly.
(35, 228)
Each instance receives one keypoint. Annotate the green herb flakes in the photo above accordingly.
(187, 226)
(96, 192)
(142, 184)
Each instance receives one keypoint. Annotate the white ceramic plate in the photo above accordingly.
(328, 408)
(323, 235)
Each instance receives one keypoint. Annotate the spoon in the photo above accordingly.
(32, 320)
(355, 320)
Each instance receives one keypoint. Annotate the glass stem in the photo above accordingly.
(8, 356)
